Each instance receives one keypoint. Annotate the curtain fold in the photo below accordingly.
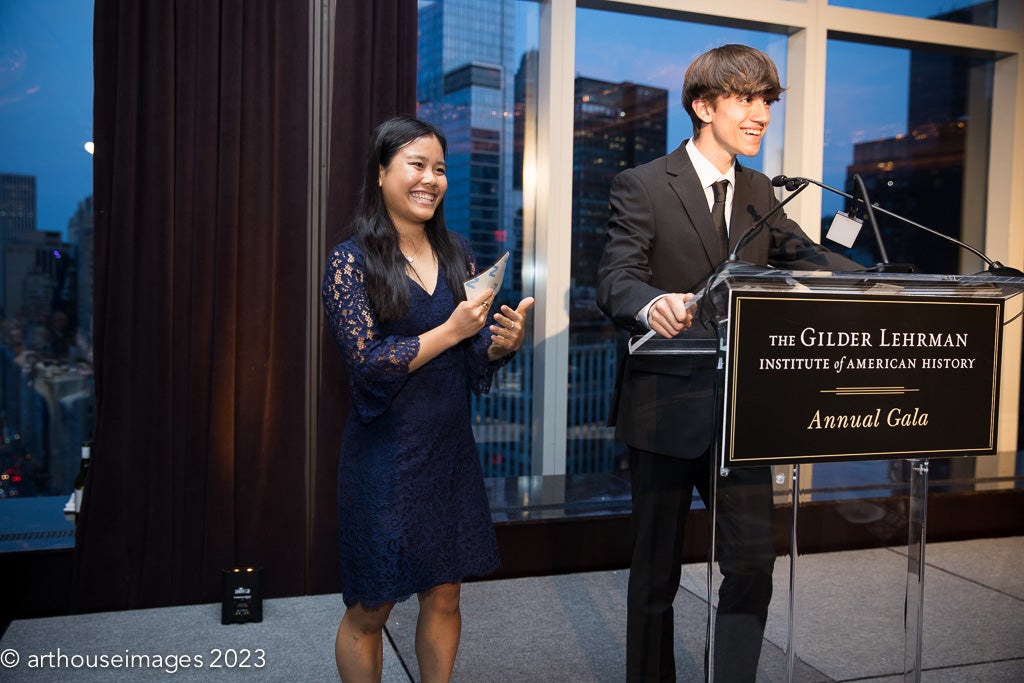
(374, 70)
(201, 123)
(201, 120)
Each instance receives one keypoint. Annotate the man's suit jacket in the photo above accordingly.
(661, 239)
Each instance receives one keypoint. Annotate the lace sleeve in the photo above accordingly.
(378, 367)
(479, 367)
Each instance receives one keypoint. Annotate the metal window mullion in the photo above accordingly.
(552, 194)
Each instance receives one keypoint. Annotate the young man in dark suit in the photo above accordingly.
(662, 242)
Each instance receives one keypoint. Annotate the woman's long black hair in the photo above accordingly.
(386, 283)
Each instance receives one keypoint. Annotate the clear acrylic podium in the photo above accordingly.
(873, 364)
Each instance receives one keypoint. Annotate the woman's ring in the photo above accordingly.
(486, 305)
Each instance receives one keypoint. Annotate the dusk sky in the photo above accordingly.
(46, 85)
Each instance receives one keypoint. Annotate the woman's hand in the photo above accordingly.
(509, 329)
(470, 316)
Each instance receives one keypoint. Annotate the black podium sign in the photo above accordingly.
(821, 377)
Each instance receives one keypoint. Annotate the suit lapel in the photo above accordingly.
(743, 214)
(684, 182)
(747, 208)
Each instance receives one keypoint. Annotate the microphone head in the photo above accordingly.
(789, 183)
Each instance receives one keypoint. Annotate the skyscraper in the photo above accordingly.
(80, 235)
(924, 174)
(465, 85)
(927, 175)
(17, 206)
(615, 126)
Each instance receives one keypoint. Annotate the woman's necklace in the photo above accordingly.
(410, 260)
(417, 274)
(415, 254)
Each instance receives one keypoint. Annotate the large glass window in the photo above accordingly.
(914, 126)
(477, 80)
(46, 242)
(479, 73)
(480, 70)
(627, 111)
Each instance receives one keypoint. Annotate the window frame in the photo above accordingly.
(809, 25)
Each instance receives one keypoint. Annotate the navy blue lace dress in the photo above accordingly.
(413, 510)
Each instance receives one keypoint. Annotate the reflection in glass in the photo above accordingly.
(477, 81)
(46, 238)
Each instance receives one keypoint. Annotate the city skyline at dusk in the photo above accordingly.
(46, 91)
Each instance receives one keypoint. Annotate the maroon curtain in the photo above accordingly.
(374, 78)
(200, 186)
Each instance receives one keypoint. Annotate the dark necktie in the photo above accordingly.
(718, 213)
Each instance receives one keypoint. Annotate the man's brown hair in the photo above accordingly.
(729, 70)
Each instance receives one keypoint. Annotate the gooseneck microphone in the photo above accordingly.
(706, 283)
(862, 192)
(796, 186)
(789, 183)
(994, 267)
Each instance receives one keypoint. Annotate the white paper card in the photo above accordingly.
(844, 229)
(488, 279)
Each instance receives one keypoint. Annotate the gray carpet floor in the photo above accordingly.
(565, 629)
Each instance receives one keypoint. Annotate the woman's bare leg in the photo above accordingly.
(359, 645)
(438, 628)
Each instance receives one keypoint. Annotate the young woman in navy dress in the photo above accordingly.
(414, 516)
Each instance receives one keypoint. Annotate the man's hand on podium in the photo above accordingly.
(671, 314)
